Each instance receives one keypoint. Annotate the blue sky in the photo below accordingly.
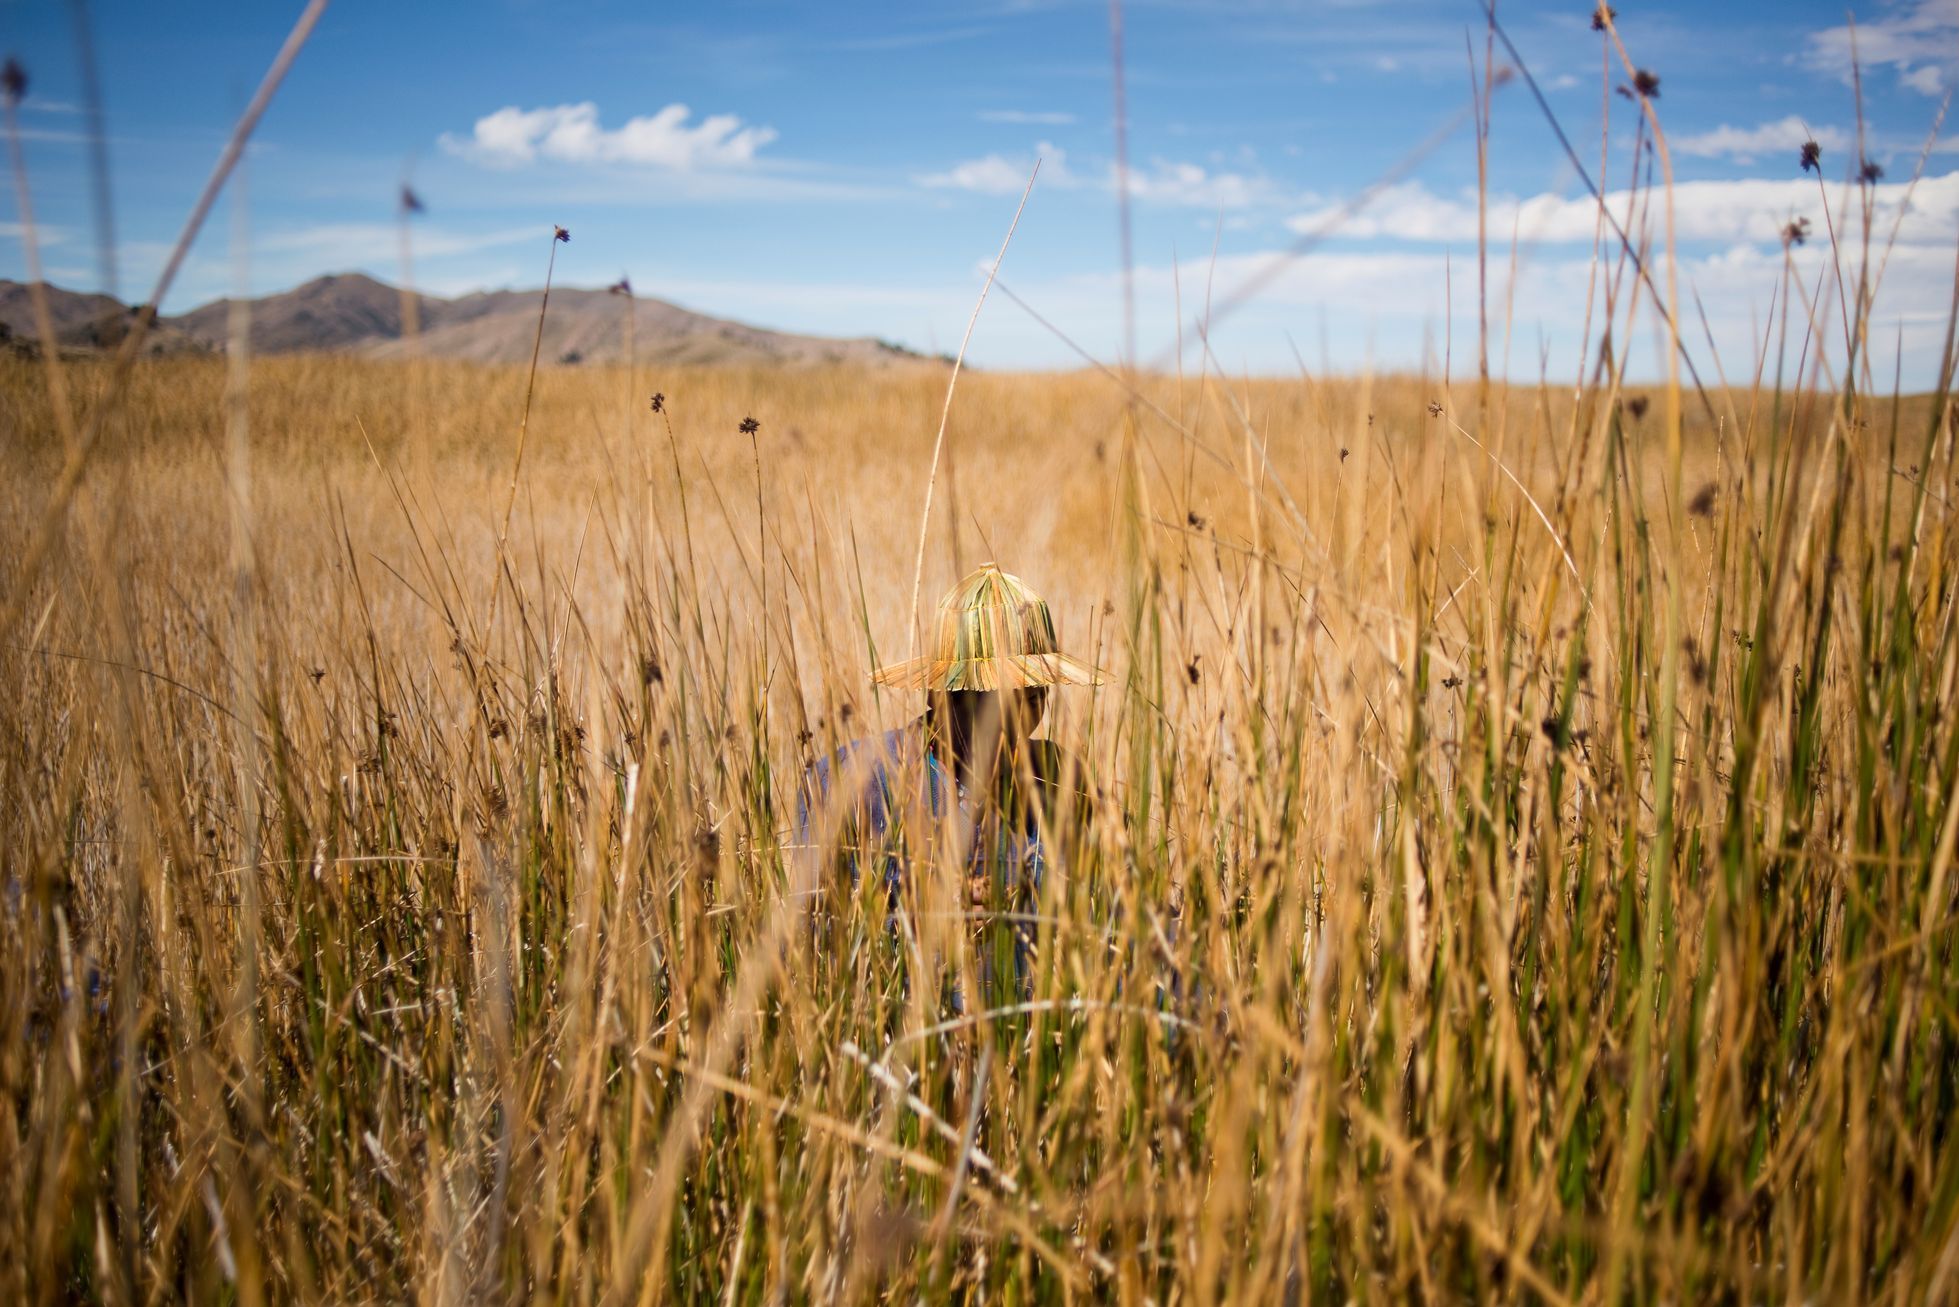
(851, 169)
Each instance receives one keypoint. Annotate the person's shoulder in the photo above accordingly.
(890, 746)
(866, 753)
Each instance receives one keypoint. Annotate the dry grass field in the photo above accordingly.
(1521, 867)
(1519, 864)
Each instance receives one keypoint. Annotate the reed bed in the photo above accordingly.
(1443, 928)
(1520, 864)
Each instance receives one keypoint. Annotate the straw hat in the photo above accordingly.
(994, 633)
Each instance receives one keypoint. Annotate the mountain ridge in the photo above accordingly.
(353, 313)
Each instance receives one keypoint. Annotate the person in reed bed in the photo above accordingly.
(966, 783)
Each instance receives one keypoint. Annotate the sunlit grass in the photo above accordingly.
(1520, 868)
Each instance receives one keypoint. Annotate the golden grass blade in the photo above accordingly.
(945, 414)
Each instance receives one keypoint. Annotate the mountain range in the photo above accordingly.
(351, 313)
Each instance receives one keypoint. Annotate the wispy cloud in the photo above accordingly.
(1747, 144)
(570, 133)
(448, 260)
(1028, 117)
(78, 136)
(1165, 181)
(43, 234)
(1394, 307)
(888, 41)
(1726, 211)
(349, 244)
(1160, 181)
(1919, 40)
(997, 174)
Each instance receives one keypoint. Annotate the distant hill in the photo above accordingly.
(327, 314)
(82, 321)
(353, 313)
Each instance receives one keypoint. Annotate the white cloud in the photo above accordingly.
(1164, 181)
(996, 174)
(1724, 211)
(1747, 144)
(570, 133)
(1028, 117)
(1393, 309)
(1918, 39)
(1161, 181)
(1562, 82)
(1928, 80)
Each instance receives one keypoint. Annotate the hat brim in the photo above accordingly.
(1008, 672)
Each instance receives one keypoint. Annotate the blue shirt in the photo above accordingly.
(899, 775)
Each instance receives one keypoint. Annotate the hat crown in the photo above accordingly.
(992, 613)
(992, 633)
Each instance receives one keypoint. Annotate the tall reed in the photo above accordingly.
(1521, 864)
